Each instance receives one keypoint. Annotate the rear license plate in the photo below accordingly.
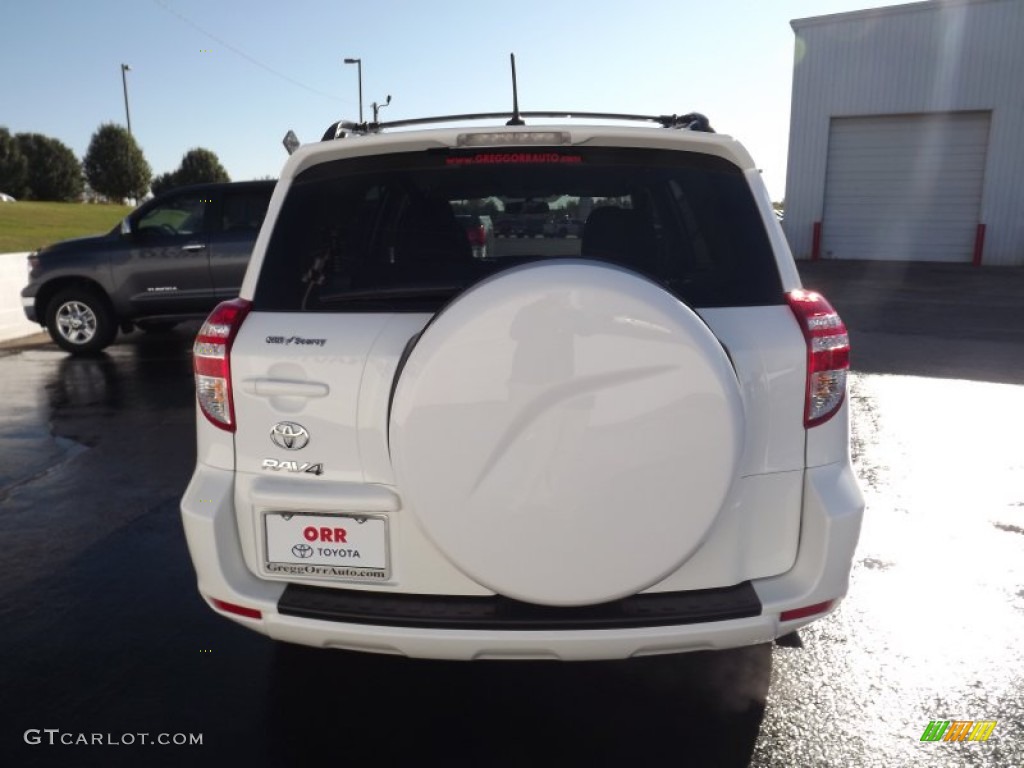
(333, 546)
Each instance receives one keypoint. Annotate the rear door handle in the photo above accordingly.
(194, 247)
(285, 388)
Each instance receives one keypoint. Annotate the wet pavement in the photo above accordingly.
(102, 631)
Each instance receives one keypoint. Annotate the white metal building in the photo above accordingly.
(907, 134)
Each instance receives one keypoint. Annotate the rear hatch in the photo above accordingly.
(377, 375)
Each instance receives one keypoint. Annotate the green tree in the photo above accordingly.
(13, 166)
(114, 164)
(200, 166)
(162, 183)
(54, 172)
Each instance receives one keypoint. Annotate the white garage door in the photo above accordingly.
(905, 187)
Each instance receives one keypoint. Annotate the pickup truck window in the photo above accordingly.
(180, 215)
(244, 211)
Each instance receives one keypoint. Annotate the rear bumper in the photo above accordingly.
(494, 612)
(830, 526)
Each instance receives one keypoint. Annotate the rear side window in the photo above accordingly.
(243, 210)
(410, 231)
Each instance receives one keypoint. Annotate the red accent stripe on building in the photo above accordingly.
(979, 245)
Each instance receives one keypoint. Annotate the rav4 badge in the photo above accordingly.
(293, 466)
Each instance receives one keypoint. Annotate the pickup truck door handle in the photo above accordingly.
(194, 247)
(285, 388)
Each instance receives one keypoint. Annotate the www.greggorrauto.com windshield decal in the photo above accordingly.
(506, 158)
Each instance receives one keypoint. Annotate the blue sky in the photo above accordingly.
(234, 76)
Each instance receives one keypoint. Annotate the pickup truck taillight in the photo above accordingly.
(477, 235)
(211, 361)
(828, 355)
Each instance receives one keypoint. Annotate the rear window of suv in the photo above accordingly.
(382, 233)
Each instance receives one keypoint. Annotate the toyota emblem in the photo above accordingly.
(289, 435)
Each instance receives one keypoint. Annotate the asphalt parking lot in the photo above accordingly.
(104, 632)
(942, 320)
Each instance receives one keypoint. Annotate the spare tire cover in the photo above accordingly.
(566, 431)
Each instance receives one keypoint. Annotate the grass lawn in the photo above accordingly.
(26, 226)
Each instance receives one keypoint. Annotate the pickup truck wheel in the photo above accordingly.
(80, 321)
(566, 432)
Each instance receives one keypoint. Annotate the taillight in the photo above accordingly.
(477, 235)
(828, 355)
(211, 361)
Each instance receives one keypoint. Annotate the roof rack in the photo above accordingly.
(692, 121)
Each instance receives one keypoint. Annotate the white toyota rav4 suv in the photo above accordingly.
(630, 442)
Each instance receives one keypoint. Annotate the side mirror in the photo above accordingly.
(126, 227)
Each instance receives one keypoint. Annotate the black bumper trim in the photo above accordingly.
(501, 613)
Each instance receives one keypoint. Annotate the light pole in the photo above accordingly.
(359, 63)
(378, 107)
(124, 84)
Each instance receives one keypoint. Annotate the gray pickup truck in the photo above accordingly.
(172, 259)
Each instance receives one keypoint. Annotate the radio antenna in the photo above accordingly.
(516, 119)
